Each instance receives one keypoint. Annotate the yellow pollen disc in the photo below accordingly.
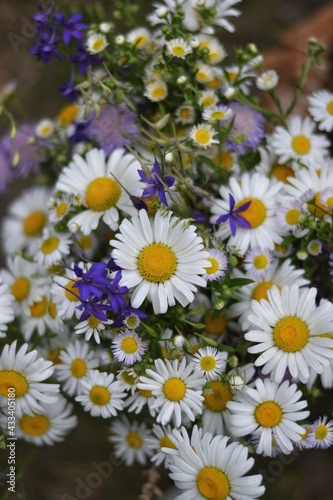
(129, 345)
(202, 136)
(93, 322)
(128, 378)
(224, 159)
(201, 76)
(174, 389)
(260, 291)
(329, 107)
(217, 115)
(54, 356)
(78, 368)
(214, 267)
(260, 261)
(67, 114)
(208, 101)
(140, 40)
(102, 193)
(36, 425)
(213, 484)
(134, 440)
(45, 130)
(9, 379)
(145, 393)
(321, 431)
(38, 309)
(49, 245)
(52, 309)
(207, 363)
(85, 242)
(99, 395)
(195, 348)
(72, 292)
(157, 263)
(282, 172)
(21, 288)
(232, 76)
(158, 93)
(301, 144)
(219, 395)
(292, 216)
(98, 45)
(214, 84)
(215, 326)
(34, 223)
(185, 113)
(178, 51)
(165, 442)
(290, 334)
(131, 321)
(61, 209)
(280, 248)
(255, 214)
(268, 414)
(305, 433)
(329, 202)
(318, 212)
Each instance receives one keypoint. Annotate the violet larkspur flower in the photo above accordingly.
(84, 59)
(128, 312)
(46, 48)
(156, 184)
(234, 217)
(94, 307)
(68, 89)
(116, 293)
(247, 128)
(41, 18)
(72, 26)
(93, 282)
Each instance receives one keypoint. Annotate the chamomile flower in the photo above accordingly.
(287, 217)
(139, 37)
(96, 43)
(92, 327)
(203, 135)
(204, 74)
(45, 128)
(259, 215)
(51, 247)
(298, 142)
(76, 361)
(314, 247)
(103, 186)
(102, 396)
(307, 440)
(270, 166)
(207, 99)
(138, 400)
(288, 333)
(161, 258)
(160, 441)
(26, 219)
(156, 91)
(219, 264)
(6, 308)
(326, 197)
(40, 315)
(128, 347)
(258, 261)
(321, 109)
(65, 295)
(130, 441)
(217, 113)
(211, 468)
(177, 388)
(59, 207)
(27, 374)
(185, 114)
(209, 362)
(178, 47)
(268, 80)
(216, 52)
(271, 410)
(85, 244)
(128, 379)
(322, 432)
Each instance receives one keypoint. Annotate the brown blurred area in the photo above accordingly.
(281, 29)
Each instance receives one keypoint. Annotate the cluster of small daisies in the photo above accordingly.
(177, 261)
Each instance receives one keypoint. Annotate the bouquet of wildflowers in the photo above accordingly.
(169, 268)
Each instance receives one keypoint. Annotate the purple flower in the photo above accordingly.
(156, 184)
(233, 216)
(46, 48)
(80, 134)
(41, 18)
(331, 265)
(93, 307)
(125, 313)
(72, 27)
(93, 283)
(247, 128)
(68, 89)
(84, 59)
(116, 293)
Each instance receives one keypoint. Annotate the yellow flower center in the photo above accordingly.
(321, 432)
(225, 159)
(202, 136)
(36, 425)
(290, 334)
(38, 309)
(131, 321)
(54, 355)
(305, 433)
(134, 440)
(215, 326)
(61, 209)
(301, 144)
(52, 309)
(260, 261)
(49, 245)
(85, 242)
(292, 216)
(129, 345)
(128, 378)
(260, 291)
(72, 293)
(255, 214)
(208, 101)
(217, 395)
(174, 389)
(157, 263)
(329, 107)
(140, 40)
(78, 368)
(178, 51)
(268, 414)
(158, 93)
(93, 322)
(145, 393)
(214, 83)
(98, 45)
(207, 363)
(102, 193)
(45, 130)
(318, 210)
(329, 202)
(217, 115)
(34, 223)
(68, 114)
(21, 288)
(165, 442)
(282, 172)
(232, 75)
(214, 267)
(185, 113)
(11, 378)
(202, 77)
(213, 484)
(99, 395)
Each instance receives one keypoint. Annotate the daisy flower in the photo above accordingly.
(92, 327)
(216, 51)
(138, 400)
(219, 264)
(259, 214)
(270, 166)
(26, 374)
(59, 208)
(314, 247)
(161, 258)
(130, 441)
(177, 388)
(185, 114)
(326, 197)
(203, 135)
(271, 410)
(96, 43)
(156, 90)
(268, 80)
(76, 361)
(128, 379)
(258, 261)
(102, 396)
(307, 440)
(102, 186)
(85, 245)
(51, 247)
(65, 295)
(288, 334)
(26, 219)
(321, 109)
(128, 347)
(209, 362)
(322, 432)
(45, 128)
(287, 217)
(178, 47)
(217, 113)
(211, 468)
(39, 316)
(299, 142)
(160, 441)
(139, 37)
(204, 74)
(6, 308)
(208, 98)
